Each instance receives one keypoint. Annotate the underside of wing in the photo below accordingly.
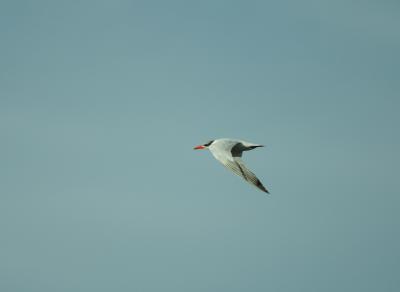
(237, 166)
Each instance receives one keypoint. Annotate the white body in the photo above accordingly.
(229, 153)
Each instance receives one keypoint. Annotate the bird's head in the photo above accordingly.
(204, 146)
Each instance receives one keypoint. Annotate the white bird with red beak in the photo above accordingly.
(229, 153)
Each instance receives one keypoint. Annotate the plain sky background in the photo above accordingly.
(101, 103)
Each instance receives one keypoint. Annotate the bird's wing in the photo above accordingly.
(236, 165)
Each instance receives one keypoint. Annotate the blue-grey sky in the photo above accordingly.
(101, 103)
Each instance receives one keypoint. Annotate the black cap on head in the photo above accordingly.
(208, 143)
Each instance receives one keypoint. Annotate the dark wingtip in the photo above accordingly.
(261, 187)
(254, 147)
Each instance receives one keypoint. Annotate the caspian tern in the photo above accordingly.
(229, 153)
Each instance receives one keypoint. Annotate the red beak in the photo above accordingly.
(199, 147)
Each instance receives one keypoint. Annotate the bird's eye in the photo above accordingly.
(208, 143)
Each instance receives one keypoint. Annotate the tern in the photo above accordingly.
(229, 153)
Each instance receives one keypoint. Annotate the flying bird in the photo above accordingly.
(229, 153)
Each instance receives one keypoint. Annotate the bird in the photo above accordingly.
(229, 153)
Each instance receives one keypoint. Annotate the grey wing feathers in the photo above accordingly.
(237, 150)
(238, 167)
